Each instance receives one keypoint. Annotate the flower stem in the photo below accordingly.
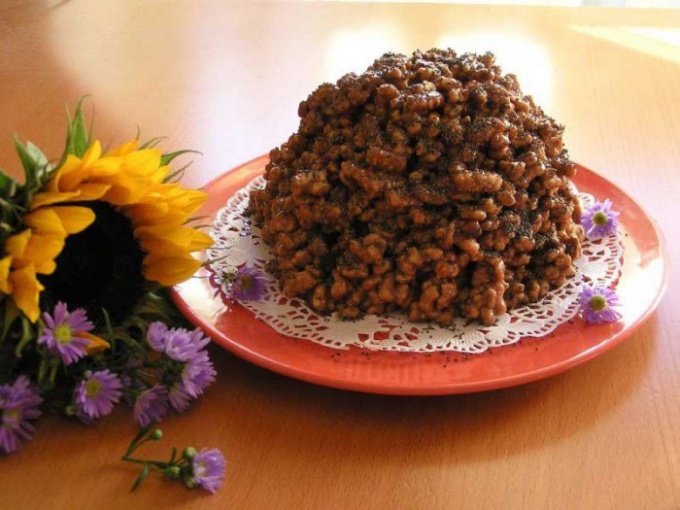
(154, 463)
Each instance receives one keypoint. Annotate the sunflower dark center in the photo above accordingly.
(99, 268)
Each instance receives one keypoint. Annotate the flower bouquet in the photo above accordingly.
(87, 247)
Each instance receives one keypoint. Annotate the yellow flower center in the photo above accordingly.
(13, 414)
(11, 417)
(63, 334)
(598, 303)
(200, 468)
(246, 282)
(92, 388)
(600, 218)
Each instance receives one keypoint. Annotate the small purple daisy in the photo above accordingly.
(62, 332)
(198, 374)
(178, 343)
(183, 345)
(19, 403)
(97, 393)
(179, 398)
(193, 371)
(155, 335)
(151, 405)
(209, 468)
(599, 220)
(597, 305)
(248, 284)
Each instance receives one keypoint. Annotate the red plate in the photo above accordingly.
(643, 281)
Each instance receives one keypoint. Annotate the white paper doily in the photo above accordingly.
(237, 243)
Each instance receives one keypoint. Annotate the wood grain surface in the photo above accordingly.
(225, 78)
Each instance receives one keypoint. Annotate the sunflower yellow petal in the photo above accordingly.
(142, 163)
(5, 263)
(200, 241)
(46, 266)
(171, 271)
(16, 245)
(147, 213)
(104, 168)
(159, 248)
(53, 197)
(96, 344)
(26, 291)
(72, 171)
(153, 214)
(194, 241)
(123, 149)
(41, 251)
(71, 176)
(45, 220)
(73, 218)
(159, 174)
(93, 190)
(92, 154)
(181, 236)
(161, 193)
(125, 190)
(186, 200)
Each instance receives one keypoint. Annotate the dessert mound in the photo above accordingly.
(429, 185)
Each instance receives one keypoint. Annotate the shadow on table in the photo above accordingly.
(502, 423)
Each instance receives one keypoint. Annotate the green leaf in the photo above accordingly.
(27, 160)
(27, 334)
(54, 366)
(149, 144)
(141, 477)
(78, 140)
(138, 438)
(177, 174)
(42, 370)
(37, 155)
(11, 312)
(167, 158)
(36, 168)
(8, 185)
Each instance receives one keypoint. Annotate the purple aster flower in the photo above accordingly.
(597, 305)
(209, 468)
(155, 335)
(248, 284)
(183, 345)
(178, 343)
(179, 398)
(151, 405)
(599, 220)
(18, 403)
(62, 331)
(198, 374)
(97, 393)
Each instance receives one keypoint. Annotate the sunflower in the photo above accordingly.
(97, 228)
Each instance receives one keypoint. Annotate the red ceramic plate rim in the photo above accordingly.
(642, 284)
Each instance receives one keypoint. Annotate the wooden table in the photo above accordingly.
(226, 78)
